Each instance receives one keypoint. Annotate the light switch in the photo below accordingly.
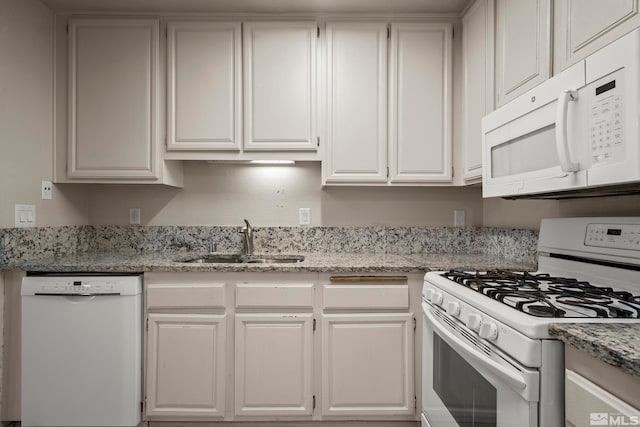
(134, 215)
(25, 215)
(304, 216)
(458, 218)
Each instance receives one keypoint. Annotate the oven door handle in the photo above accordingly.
(514, 380)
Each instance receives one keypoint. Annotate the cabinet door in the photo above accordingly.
(357, 103)
(273, 364)
(583, 26)
(477, 78)
(186, 365)
(523, 50)
(113, 98)
(420, 143)
(203, 85)
(367, 364)
(280, 85)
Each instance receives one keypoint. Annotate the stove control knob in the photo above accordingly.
(436, 298)
(427, 294)
(453, 308)
(488, 331)
(474, 321)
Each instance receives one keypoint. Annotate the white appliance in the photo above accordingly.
(81, 350)
(577, 131)
(487, 356)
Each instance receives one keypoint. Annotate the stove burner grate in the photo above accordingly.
(543, 295)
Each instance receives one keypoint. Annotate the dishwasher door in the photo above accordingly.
(81, 351)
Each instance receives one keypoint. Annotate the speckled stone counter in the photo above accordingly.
(168, 261)
(19, 244)
(617, 344)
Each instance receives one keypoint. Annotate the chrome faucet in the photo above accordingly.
(247, 244)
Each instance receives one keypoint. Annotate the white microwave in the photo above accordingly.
(575, 135)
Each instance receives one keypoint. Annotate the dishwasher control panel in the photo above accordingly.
(55, 285)
(79, 287)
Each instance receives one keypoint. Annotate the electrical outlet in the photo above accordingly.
(47, 190)
(304, 216)
(134, 215)
(458, 218)
(25, 215)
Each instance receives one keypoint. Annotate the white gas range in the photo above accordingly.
(488, 359)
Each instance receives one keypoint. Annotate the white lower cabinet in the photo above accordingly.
(367, 364)
(597, 393)
(273, 357)
(251, 347)
(186, 365)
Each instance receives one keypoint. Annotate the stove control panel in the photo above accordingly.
(615, 236)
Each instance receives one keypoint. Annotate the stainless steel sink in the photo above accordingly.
(276, 259)
(245, 259)
(215, 259)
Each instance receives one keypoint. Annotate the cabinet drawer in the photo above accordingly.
(353, 292)
(269, 295)
(189, 296)
(587, 403)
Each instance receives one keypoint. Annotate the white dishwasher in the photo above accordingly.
(81, 350)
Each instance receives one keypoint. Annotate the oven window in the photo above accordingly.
(469, 398)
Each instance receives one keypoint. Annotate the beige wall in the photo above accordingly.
(26, 118)
(215, 194)
(1, 337)
(528, 213)
(224, 194)
(423, 206)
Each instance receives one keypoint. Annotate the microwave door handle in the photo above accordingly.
(514, 380)
(562, 142)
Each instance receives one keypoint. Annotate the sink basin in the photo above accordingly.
(245, 259)
(215, 259)
(276, 259)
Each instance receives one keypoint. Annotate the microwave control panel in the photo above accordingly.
(615, 236)
(606, 129)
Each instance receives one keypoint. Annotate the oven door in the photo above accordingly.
(468, 383)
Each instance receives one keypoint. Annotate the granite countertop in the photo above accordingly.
(314, 262)
(617, 344)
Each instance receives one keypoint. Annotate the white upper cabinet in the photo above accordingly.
(204, 85)
(420, 103)
(357, 102)
(398, 133)
(477, 82)
(523, 50)
(583, 26)
(280, 85)
(113, 98)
